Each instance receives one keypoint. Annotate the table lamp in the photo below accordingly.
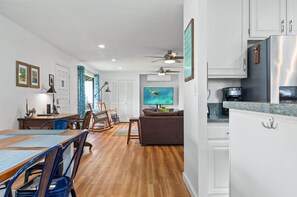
(53, 91)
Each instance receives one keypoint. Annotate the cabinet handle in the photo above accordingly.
(227, 132)
(283, 25)
(291, 25)
(270, 125)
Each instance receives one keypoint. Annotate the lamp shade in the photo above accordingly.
(107, 89)
(51, 90)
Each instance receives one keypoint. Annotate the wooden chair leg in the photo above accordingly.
(129, 133)
(89, 145)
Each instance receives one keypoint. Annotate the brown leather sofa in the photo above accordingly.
(162, 130)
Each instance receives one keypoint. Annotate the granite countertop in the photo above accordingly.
(218, 118)
(281, 109)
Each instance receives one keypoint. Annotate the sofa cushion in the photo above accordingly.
(149, 112)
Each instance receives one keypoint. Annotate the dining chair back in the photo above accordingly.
(51, 161)
(56, 124)
(62, 186)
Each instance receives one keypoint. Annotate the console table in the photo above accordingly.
(37, 121)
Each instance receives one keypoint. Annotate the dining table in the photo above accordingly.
(17, 147)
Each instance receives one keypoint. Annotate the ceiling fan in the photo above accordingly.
(169, 58)
(163, 71)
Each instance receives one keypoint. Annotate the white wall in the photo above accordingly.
(195, 104)
(216, 85)
(173, 83)
(19, 44)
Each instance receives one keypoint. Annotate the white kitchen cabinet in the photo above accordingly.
(262, 161)
(226, 47)
(272, 17)
(218, 163)
(292, 16)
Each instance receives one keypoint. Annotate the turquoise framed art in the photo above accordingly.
(189, 51)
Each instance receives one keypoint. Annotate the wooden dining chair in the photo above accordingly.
(84, 123)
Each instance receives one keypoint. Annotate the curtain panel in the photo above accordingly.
(81, 103)
(96, 91)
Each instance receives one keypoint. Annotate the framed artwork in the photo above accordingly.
(34, 76)
(22, 74)
(189, 51)
(51, 80)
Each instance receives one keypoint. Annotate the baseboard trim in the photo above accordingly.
(189, 185)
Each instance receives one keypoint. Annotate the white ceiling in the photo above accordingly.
(130, 29)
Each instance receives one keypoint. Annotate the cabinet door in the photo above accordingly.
(225, 39)
(292, 16)
(262, 161)
(218, 154)
(267, 17)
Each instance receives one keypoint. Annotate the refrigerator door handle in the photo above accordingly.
(244, 64)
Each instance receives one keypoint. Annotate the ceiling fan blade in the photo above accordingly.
(157, 60)
(178, 61)
(154, 56)
(172, 71)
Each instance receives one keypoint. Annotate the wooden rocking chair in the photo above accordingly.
(101, 118)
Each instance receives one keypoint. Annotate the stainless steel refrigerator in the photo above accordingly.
(272, 70)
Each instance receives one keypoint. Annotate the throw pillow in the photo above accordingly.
(148, 112)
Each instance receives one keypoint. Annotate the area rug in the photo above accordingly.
(124, 131)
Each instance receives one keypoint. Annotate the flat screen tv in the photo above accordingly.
(157, 96)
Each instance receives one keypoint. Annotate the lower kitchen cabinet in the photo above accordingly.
(263, 155)
(218, 159)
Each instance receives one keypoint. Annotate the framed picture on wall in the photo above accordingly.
(22, 74)
(189, 51)
(51, 80)
(34, 76)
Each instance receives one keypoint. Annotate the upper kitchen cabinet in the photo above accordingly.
(226, 46)
(292, 16)
(272, 17)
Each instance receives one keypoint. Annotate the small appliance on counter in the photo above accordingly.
(231, 94)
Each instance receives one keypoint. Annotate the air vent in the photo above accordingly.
(158, 78)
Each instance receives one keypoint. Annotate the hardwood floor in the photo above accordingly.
(114, 168)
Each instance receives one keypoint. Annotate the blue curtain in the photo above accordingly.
(96, 91)
(81, 103)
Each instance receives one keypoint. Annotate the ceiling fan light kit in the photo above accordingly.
(169, 61)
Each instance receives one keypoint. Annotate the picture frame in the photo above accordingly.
(51, 80)
(189, 51)
(34, 76)
(22, 74)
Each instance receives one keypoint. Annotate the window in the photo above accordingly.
(89, 90)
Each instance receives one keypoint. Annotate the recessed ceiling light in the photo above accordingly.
(113, 60)
(101, 46)
(120, 68)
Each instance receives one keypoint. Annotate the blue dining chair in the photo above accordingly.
(43, 182)
(57, 124)
(52, 124)
(61, 186)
